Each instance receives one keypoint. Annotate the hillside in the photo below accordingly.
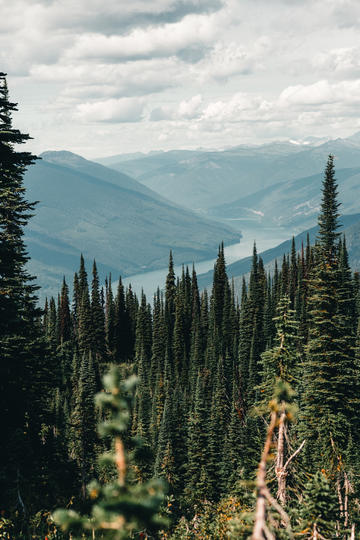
(294, 203)
(202, 179)
(350, 227)
(123, 224)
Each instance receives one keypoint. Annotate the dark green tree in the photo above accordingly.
(97, 318)
(26, 375)
(120, 508)
(328, 417)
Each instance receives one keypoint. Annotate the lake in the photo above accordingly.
(265, 239)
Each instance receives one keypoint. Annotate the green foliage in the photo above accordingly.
(319, 509)
(121, 509)
(204, 365)
(28, 371)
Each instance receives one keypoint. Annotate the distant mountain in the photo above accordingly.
(202, 179)
(350, 226)
(80, 164)
(119, 158)
(294, 203)
(87, 208)
(355, 138)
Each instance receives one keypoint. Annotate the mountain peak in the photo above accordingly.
(62, 157)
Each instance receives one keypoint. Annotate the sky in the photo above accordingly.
(105, 77)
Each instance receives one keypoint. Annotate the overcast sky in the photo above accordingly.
(102, 77)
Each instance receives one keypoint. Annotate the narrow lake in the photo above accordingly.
(265, 239)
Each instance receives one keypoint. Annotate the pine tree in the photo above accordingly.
(331, 384)
(170, 294)
(197, 480)
(120, 508)
(110, 320)
(220, 283)
(318, 510)
(84, 421)
(65, 330)
(281, 362)
(123, 348)
(97, 318)
(25, 370)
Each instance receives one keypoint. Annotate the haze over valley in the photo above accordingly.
(187, 201)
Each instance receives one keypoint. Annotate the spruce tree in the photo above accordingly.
(318, 510)
(121, 509)
(84, 421)
(97, 318)
(330, 399)
(65, 329)
(25, 370)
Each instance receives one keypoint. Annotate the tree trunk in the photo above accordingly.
(279, 467)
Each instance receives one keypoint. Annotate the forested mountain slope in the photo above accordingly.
(93, 210)
(294, 203)
(350, 227)
(202, 179)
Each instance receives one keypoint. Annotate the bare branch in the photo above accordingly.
(260, 511)
(268, 533)
(295, 454)
(273, 502)
(120, 460)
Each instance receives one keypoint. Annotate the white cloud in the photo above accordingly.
(165, 40)
(323, 92)
(190, 109)
(314, 94)
(343, 61)
(111, 110)
(237, 107)
(185, 110)
(226, 60)
(211, 75)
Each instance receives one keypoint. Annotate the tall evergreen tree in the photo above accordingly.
(331, 390)
(25, 369)
(97, 318)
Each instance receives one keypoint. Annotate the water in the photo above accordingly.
(265, 239)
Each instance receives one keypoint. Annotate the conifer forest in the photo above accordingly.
(196, 414)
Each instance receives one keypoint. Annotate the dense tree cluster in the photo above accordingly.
(209, 364)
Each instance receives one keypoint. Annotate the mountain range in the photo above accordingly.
(87, 208)
(131, 209)
(206, 180)
(293, 204)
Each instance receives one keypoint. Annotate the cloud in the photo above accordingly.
(185, 110)
(227, 60)
(322, 93)
(193, 31)
(114, 17)
(345, 13)
(190, 109)
(107, 17)
(84, 80)
(41, 32)
(343, 61)
(24, 38)
(235, 109)
(210, 72)
(111, 110)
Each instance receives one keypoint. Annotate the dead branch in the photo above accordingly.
(273, 502)
(295, 454)
(268, 534)
(260, 511)
(120, 460)
(116, 525)
(279, 467)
